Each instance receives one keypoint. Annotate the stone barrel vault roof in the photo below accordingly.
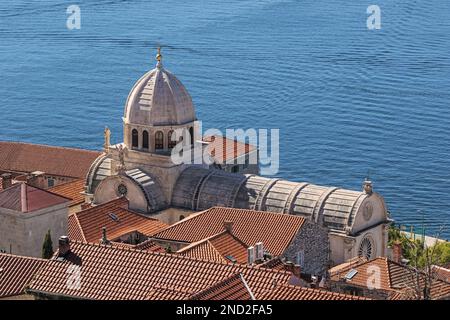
(198, 188)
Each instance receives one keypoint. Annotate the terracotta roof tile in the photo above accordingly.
(203, 250)
(24, 198)
(393, 276)
(276, 231)
(117, 273)
(26, 157)
(289, 292)
(71, 190)
(442, 273)
(232, 288)
(16, 272)
(223, 149)
(115, 217)
(220, 247)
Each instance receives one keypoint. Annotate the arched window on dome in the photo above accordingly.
(191, 133)
(171, 143)
(134, 139)
(145, 139)
(159, 140)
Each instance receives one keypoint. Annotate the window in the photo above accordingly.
(191, 133)
(301, 258)
(159, 140)
(50, 182)
(134, 138)
(235, 169)
(366, 248)
(145, 139)
(172, 144)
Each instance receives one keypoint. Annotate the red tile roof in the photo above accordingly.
(218, 248)
(26, 157)
(223, 149)
(289, 292)
(276, 231)
(393, 276)
(87, 225)
(232, 288)
(118, 273)
(16, 272)
(442, 273)
(24, 198)
(71, 190)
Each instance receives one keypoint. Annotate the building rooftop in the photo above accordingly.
(16, 272)
(27, 157)
(86, 225)
(394, 276)
(232, 288)
(110, 272)
(24, 198)
(71, 190)
(223, 149)
(289, 292)
(275, 231)
(221, 247)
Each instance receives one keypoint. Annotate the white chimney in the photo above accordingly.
(259, 251)
(250, 255)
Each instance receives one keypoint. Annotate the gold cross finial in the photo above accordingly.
(159, 55)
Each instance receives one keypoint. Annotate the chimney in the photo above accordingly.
(23, 197)
(259, 251)
(296, 270)
(250, 255)
(367, 186)
(6, 180)
(64, 246)
(85, 205)
(228, 225)
(104, 239)
(397, 252)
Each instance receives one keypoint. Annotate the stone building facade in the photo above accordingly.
(26, 214)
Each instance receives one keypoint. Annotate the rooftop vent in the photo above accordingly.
(231, 258)
(351, 274)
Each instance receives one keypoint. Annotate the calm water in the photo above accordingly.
(347, 100)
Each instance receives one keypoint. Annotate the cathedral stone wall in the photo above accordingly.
(310, 248)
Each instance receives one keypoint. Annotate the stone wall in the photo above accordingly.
(312, 240)
(24, 232)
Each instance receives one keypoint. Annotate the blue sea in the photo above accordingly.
(347, 100)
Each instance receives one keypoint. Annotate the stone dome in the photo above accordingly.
(159, 99)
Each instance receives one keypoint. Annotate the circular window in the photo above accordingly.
(122, 189)
(366, 248)
(368, 210)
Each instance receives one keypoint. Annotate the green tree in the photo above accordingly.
(47, 246)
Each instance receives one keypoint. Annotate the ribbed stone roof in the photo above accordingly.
(199, 189)
(159, 99)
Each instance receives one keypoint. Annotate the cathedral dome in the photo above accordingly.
(159, 99)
